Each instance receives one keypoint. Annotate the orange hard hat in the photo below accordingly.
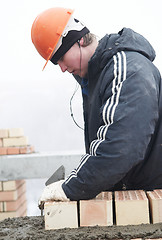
(47, 29)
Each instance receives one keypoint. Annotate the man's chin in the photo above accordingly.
(81, 75)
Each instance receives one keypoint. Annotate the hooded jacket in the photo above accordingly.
(123, 122)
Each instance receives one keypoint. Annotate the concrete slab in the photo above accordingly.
(36, 165)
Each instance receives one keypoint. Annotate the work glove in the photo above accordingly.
(53, 191)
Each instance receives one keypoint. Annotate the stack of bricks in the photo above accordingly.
(107, 209)
(13, 193)
(13, 141)
(12, 199)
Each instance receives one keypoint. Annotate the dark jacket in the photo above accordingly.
(123, 122)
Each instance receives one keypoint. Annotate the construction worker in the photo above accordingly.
(122, 105)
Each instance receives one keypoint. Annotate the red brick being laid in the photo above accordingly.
(131, 207)
(60, 215)
(155, 198)
(97, 211)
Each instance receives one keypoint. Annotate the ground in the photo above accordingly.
(32, 228)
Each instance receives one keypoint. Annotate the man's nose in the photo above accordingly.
(62, 66)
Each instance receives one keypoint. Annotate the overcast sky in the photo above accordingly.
(39, 101)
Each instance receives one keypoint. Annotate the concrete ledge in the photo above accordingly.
(36, 165)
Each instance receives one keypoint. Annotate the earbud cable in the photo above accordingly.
(76, 89)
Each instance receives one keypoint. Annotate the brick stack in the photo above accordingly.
(13, 141)
(12, 199)
(119, 208)
(13, 193)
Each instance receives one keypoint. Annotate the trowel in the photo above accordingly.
(59, 174)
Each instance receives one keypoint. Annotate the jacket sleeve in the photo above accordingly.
(129, 114)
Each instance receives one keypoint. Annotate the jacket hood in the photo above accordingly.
(125, 40)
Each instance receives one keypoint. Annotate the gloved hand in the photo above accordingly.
(53, 191)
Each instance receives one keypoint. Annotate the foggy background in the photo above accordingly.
(38, 101)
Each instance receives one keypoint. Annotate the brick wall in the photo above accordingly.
(12, 199)
(119, 208)
(13, 193)
(13, 141)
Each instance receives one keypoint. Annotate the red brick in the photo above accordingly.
(13, 150)
(20, 212)
(155, 199)
(3, 150)
(12, 195)
(97, 211)
(26, 150)
(14, 205)
(131, 207)
(8, 196)
(60, 215)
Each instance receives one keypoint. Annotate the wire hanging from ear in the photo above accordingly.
(76, 89)
(71, 110)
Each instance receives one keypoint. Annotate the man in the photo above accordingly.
(122, 105)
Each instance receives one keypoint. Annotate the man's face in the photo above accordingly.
(74, 61)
